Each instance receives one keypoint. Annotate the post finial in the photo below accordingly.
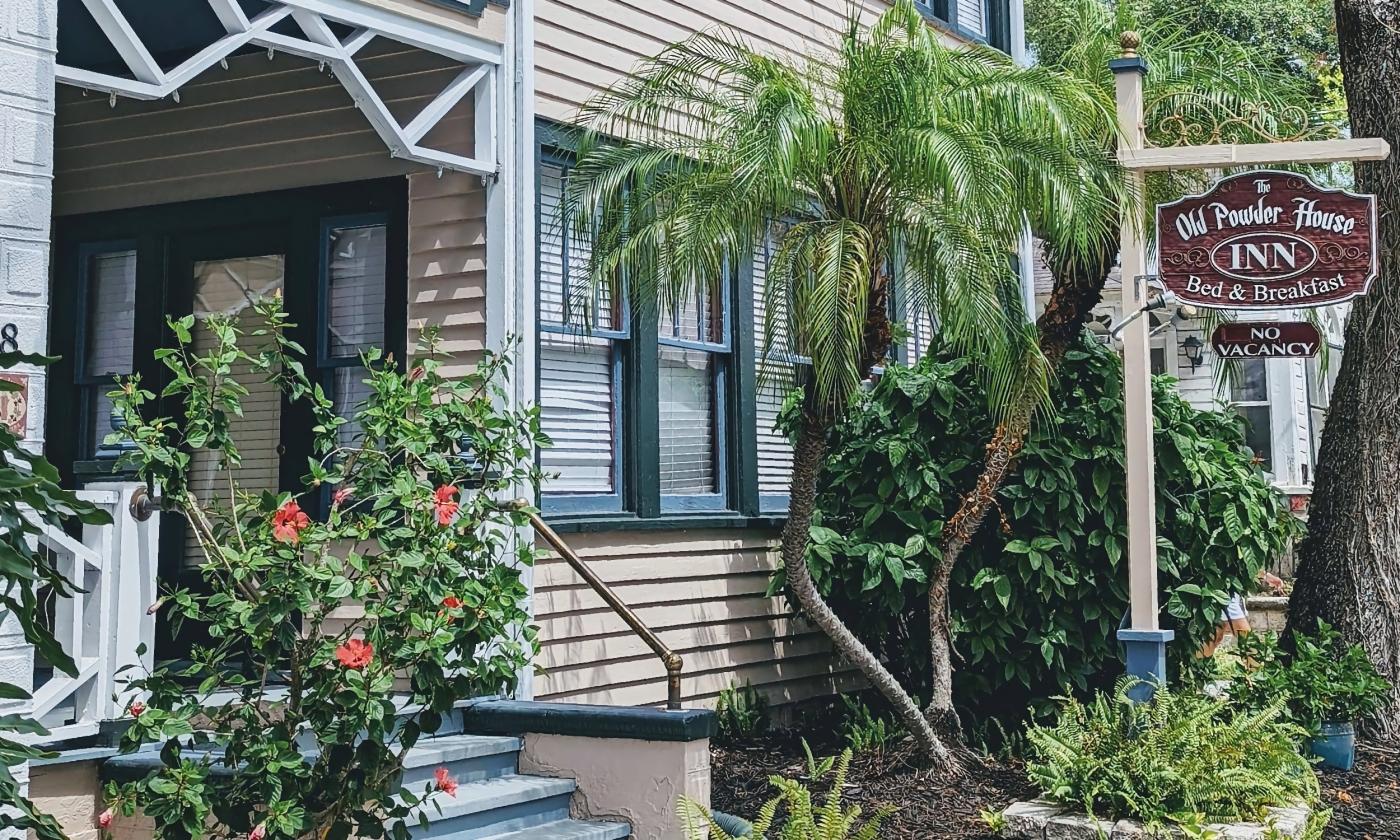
(1130, 41)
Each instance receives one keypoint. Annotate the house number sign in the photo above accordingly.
(1268, 240)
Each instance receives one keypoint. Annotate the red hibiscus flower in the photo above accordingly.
(355, 654)
(104, 819)
(288, 522)
(259, 832)
(444, 502)
(137, 708)
(452, 602)
(445, 782)
(341, 494)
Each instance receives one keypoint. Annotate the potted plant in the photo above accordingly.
(1330, 686)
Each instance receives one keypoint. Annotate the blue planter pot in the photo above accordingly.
(1336, 746)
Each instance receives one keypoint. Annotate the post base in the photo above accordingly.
(1145, 656)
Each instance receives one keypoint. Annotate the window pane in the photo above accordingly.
(687, 405)
(565, 295)
(356, 274)
(1250, 382)
(774, 450)
(111, 312)
(1257, 434)
(577, 411)
(351, 389)
(1159, 361)
(697, 317)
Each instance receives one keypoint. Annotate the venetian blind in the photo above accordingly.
(971, 16)
(576, 372)
(110, 336)
(687, 421)
(775, 378)
(229, 288)
(354, 314)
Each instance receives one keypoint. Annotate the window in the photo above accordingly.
(693, 338)
(1249, 393)
(580, 364)
(775, 370)
(108, 337)
(352, 310)
(1320, 384)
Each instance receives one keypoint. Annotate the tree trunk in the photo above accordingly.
(808, 451)
(1079, 283)
(1349, 571)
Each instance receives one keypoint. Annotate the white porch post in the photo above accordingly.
(28, 44)
(1144, 640)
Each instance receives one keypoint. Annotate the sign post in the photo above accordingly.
(1258, 240)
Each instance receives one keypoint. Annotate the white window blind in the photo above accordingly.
(1249, 391)
(109, 338)
(578, 347)
(355, 279)
(971, 16)
(686, 396)
(230, 288)
(775, 377)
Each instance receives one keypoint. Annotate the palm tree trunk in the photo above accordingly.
(808, 452)
(1079, 283)
(1349, 573)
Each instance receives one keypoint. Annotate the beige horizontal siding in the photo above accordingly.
(704, 593)
(447, 264)
(259, 125)
(581, 48)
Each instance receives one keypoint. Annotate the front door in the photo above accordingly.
(337, 257)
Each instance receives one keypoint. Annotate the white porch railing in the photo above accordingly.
(113, 571)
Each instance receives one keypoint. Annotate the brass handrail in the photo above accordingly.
(669, 658)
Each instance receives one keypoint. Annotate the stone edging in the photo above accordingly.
(1044, 820)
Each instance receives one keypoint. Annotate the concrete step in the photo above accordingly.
(570, 830)
(468, 758)
(493, 807)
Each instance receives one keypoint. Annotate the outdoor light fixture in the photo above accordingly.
(1161, 301)
(1193, 347)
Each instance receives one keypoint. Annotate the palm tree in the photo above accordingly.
(1200, 88)
(892, 150)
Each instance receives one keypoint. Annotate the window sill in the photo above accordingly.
(595, 523)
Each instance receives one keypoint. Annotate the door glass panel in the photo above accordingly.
(230, 288)
(108, 337)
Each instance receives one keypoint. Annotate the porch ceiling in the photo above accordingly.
(143, 49)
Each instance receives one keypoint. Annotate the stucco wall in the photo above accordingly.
(71, 794)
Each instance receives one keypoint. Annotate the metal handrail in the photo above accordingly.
(669, 658)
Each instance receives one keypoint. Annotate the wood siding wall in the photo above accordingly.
(581, 48)
(702, 591)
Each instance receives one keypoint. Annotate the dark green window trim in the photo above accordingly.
(639, 445)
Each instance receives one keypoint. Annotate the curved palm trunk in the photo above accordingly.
(1078, 288)
(1349, 573)
(808, 452)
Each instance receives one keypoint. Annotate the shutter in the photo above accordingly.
(229, 287)
(577, 411)
(687, 441)
(774, 380)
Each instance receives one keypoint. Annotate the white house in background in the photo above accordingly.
(1283, 401)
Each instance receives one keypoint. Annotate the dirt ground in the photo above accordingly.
(933, 806)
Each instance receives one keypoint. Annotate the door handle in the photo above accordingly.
(281, 449)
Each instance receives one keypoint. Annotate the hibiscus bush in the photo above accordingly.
(339, 623)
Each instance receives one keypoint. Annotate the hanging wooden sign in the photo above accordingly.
(1268, 240)
(1266, 340)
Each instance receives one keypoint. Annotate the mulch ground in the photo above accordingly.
(931, 806)
(935, 806)
(1365, 803)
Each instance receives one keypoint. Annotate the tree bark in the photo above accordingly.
(808, 452)
(1349, 570)
(1079, 282)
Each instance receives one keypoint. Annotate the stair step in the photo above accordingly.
(569, 830)
(469, 758)
(495, 806)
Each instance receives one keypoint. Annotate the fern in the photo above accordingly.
(1179, 760)
(802, 818)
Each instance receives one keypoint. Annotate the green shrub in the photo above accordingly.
(1322, 680)
(1180, 759)
(865, 731)
(801, 819)
(1037, 598)
(742, 712)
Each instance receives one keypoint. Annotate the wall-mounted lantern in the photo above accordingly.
(1193, 347)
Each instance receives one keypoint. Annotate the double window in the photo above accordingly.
(653, 411)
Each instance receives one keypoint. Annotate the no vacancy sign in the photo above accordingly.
(1266, 340)
(1268, 240)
